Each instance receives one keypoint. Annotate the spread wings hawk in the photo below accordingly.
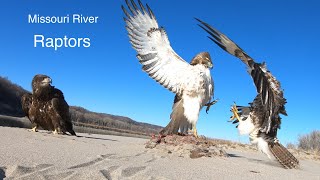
(192, 83)
(261, 119)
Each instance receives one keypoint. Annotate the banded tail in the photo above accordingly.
(284, 157)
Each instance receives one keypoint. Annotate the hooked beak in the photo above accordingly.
(235, 115)
(210, 65)
(47, 81)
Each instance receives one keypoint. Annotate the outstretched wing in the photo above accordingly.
(155, 54)
(270, 92)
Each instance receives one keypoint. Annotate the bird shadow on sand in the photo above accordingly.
(254, 160)
(2, 173)
(105, 139)
(271, 163)
(267, 162)
(49, 133)
(259, 161)
(234, 156)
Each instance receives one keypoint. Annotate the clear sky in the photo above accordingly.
(106, 77)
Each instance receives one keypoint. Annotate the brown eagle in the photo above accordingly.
(46, 107)
(261, 119)
(191, 83)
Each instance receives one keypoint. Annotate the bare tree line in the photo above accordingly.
(81, 116)
(10, 95)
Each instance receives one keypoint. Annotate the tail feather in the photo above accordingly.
(171, 128)
(284, 157)
(71, 131)
(69, 127)
(178, 119)
(66, 124)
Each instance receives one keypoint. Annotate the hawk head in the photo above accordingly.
(202, 58)
(41, 85)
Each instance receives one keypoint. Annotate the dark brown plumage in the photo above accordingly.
(261, 120)
(26, 101)
(46, 107)
(178, 119)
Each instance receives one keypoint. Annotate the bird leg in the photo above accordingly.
(35, 129)
(194, 131)
(235, 112)
(210, 104)
(57, 131)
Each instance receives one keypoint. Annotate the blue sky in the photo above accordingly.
(108, 78)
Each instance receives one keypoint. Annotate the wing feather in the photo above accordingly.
(151, 42)
(270, 94)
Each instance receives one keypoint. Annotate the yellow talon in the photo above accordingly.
(194, 131)
(235, 113)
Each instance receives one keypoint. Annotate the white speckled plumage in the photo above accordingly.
(192, 83)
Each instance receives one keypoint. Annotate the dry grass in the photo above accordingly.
(308, 146)
(310, 142)
(306, 154)
(291, 146)
(230, 144)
